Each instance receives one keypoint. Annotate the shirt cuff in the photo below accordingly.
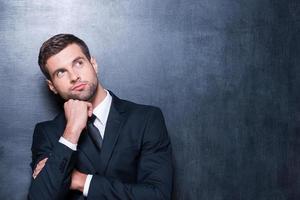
(68, 143)
(86, 186)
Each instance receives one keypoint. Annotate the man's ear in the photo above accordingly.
(94, 64)
(51, 86)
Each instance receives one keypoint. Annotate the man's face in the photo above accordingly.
(73, 76)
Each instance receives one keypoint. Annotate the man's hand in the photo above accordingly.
(78, 180)
(39, 167)
(76, 113)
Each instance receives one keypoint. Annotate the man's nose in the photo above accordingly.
(74, 76)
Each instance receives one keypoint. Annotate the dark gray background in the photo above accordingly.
(224, 72)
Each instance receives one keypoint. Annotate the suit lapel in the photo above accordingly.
(112, 131)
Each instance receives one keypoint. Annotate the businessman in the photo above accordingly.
(99, 146)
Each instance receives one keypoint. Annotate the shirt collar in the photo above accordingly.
(102, 110)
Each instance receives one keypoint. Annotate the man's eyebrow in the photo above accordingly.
(76, 59)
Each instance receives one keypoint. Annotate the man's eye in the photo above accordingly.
(79, 63)
(60, 74)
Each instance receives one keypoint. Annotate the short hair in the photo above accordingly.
(54, 45)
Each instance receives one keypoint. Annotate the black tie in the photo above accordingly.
(94, 132)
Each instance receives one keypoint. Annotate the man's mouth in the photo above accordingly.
(78, 86)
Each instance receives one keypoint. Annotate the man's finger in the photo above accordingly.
(43, 161)
(90, 109)
(39, 167)
(37, 171)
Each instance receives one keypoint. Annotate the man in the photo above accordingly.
(100, 147)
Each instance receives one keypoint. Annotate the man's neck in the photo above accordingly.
(99, 96)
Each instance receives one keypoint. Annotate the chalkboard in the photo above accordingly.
(224, 72)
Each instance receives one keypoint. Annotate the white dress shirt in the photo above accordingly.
(101, 112)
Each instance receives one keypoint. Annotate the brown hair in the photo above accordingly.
(54, 45)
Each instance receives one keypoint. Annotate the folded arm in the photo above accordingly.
(51, 179)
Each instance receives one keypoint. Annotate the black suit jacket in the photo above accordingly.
(134, 161)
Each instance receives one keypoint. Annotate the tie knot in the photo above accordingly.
(92, 119)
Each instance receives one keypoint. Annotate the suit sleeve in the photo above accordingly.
(154, 173)
(54, 179)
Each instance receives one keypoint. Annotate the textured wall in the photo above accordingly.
(225, 73)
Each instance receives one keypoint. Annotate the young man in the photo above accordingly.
(100, 147)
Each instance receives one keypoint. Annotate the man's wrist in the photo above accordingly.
(78, 180)
(71, 134)
(82, 182)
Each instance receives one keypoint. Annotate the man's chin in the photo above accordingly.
(78, 98)
(82, 97)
